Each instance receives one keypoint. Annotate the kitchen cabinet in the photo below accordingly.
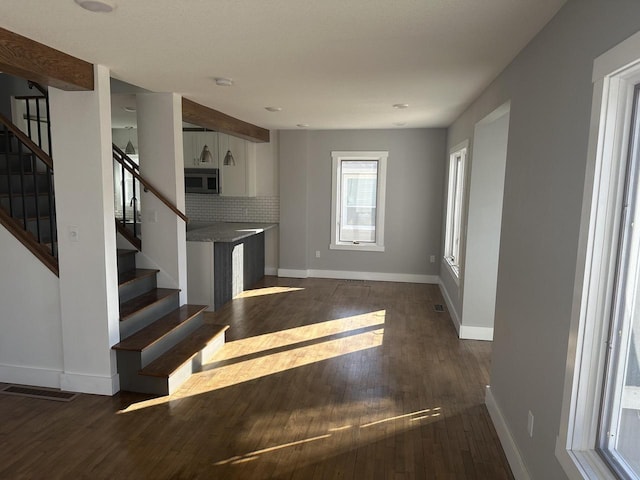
(237, 180)
(193, 141)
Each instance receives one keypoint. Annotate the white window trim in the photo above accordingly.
(381, 157)
(615, 74)
(455, 268)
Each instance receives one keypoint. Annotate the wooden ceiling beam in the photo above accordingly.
(26, 58)
(206, 117)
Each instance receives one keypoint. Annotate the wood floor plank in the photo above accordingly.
(319, 379)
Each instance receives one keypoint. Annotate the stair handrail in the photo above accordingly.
(37, 151)
(125, 157)
(38, 87)
(124, 160)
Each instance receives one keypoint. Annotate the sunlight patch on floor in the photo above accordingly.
(291, 336)
(258, 292)
(269, 354)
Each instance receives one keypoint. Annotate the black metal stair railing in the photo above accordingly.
(27, 196)
(126, 191)
(34, 112)
(127, 187)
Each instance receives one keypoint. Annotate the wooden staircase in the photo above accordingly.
(162, 343)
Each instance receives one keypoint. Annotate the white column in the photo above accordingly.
(82, 157)
(161, 163)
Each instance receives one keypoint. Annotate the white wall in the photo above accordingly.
(415, 174)
(81, 138)
(480, 269)
(549, 86)
(161, 163)
(31, 338)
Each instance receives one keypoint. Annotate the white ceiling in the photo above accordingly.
(327, 63)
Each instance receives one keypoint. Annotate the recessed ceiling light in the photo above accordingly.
(97, 6)
(302, 125)
(223, 82)
(273, 109)
(400, 106)
(129, 109)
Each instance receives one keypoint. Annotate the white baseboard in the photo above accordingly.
(453, 313)
(468, 332)
(351, 275)
(36, 377)
(506, 439)
(465, 332)
(290, 273)
(99, 385)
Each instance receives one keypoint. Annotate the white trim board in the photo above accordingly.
(96, 384)
(350, 275)
(465, 332)
(506, 439)
(36, 377)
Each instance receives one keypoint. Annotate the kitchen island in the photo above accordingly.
(223, 260)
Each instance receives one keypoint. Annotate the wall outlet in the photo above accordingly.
(530, 424)
(432, 259)
(317, 253)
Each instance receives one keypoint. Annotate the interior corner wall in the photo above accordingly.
(31, 339)
(414, 187)
(550, 89)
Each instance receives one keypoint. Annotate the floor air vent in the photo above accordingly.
(37, 392)
(438, 307)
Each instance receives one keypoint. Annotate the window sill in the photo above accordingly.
(454, 270)
(364, 247)
(583, 465)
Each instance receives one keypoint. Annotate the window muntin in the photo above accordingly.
(455, 195)
(357, 220)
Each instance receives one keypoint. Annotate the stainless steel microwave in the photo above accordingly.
(201, 180)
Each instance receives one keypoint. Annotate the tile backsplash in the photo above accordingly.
(215, 208)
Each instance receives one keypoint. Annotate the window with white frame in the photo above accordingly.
(600, 425)
(358, 200)
(455, 191)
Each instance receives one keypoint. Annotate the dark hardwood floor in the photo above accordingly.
(320, 379)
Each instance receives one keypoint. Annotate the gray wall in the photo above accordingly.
(549, 85)
(415, 175)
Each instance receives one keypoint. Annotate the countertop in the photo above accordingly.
(224, 231)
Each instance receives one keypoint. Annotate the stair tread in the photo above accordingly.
(145, 300)
(125, 251)
(136, 274)
(173, 359)
(149, 335)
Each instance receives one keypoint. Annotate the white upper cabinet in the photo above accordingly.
(193, 143)
(237, 180)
